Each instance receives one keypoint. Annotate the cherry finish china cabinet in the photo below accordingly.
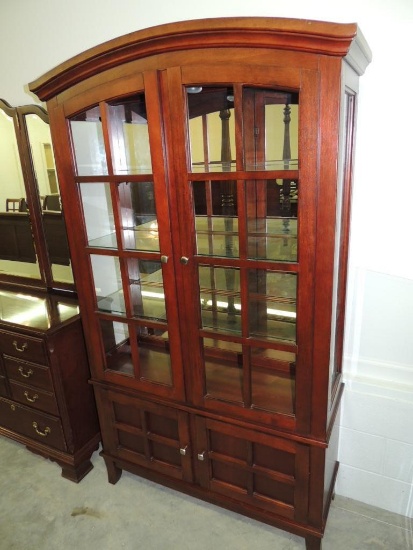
(206, 173)
(46, 402)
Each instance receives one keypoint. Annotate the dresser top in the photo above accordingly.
(36, 311)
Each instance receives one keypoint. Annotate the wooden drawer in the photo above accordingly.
(37, 426)
(34, 397)
(28, 373)
(23, 347)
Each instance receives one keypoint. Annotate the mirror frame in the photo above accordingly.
(46, 281)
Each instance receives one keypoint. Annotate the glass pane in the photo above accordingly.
(271, 219)
(272, 304)
(216, 221)
(17, 252)
(98, 214)
(273, 380)
(108, 284)
(211, 128)
(147, 289)
(270, 126)
(220, 298)
(89, 147)
(154, 358)
(130, 137)
(116, 342)
(139, 220)
(223, 369)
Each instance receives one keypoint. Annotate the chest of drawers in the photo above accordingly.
(46, 402)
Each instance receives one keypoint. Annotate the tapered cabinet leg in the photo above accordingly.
(114, 473)
(312, 543)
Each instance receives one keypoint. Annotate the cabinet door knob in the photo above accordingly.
(201, 456)
(23, 348)
(184, 260)
(183, 450)
(164, 259)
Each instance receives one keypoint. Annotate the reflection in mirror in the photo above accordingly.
(41, 151)
(17, 253)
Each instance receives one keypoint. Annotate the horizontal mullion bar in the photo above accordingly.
(244, 175)
(115, 178)
(246, 263)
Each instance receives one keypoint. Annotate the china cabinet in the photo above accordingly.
(46, 401)
(206, 172)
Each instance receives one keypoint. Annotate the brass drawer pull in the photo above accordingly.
(23, 348)
(25, 374)
(31, 399)
(46, 432)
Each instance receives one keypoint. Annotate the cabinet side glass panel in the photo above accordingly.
(98, 214)
(88, 143)
(130, 136)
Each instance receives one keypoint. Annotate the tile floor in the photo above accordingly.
(39, 510)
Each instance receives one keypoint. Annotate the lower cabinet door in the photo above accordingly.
(267, 472)
(146, 434)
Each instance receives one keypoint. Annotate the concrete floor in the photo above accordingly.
(39, 510)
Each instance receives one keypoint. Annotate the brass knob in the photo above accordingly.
(201, 456)
(164, 259)
(184, 260)
(183, 450)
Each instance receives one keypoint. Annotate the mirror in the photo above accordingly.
(34, 250)
(18, 256)
(36, 126)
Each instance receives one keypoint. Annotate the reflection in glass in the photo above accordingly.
(152, 348)
(273, 380)
(271, 225)
(223, 369)
(98, 214)
(130, 136)
(116, 342)
(41, 151)
(270, 129)
(216, 222)
(17, 252)
(220, 298)
(272, 304)
(154, 358)
(211, 128)
(89, 147)
(108, 284)
(139, 220)
(147, 289)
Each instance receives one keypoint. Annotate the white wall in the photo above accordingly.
(377, 432)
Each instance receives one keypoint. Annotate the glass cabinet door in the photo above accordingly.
(244, 186)
(127, 239)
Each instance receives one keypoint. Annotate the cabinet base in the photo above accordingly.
(115, 466)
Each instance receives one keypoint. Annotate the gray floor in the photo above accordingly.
(39, 510)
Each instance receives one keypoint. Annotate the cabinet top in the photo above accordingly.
(302, 35)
